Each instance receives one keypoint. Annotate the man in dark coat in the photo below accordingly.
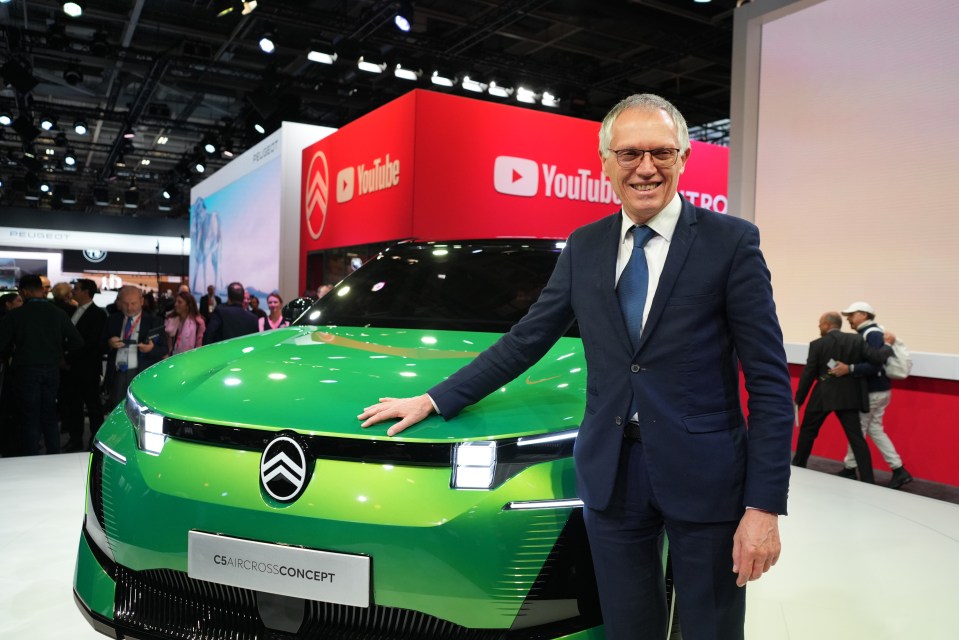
(845, 396)
(39, 335)
(81, 377)
(230, 320)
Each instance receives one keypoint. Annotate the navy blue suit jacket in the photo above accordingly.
(712, 312)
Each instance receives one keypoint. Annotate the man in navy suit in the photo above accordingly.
(664, 444)
(131, 340)
(231, 320)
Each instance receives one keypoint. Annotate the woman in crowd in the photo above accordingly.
(184, 326)
(275, 320)
(9, 301)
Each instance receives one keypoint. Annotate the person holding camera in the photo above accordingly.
(132, 342)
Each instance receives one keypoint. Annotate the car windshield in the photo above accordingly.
(466, 286)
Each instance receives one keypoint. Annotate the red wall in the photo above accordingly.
(920, 420)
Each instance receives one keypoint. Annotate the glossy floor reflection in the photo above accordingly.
(859, 563)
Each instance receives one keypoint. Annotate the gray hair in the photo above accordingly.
(643, 102)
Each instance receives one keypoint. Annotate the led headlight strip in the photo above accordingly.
(148, 425)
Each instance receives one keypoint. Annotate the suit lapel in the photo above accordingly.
(679, 247)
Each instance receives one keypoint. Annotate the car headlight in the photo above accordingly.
(488, 464)
(147, 425)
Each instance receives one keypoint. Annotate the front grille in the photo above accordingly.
(169, 604)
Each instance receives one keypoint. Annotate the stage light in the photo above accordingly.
(209, 144)
(407, 74)
(47, 123)
(525, 95)
(129, 133)
(442, 79)
(549, 100)
(6, 119)
(322, 51)
(267, 44)
(365, 64)
(259, 128)
(199, 164)
(80, 127)
(473, 85)
(101, 196)
(131, 197)
(500, 91)
(44, 186)
(70, 158)
(73, 75)
(74, 9)
(404, 17)
(99, 45)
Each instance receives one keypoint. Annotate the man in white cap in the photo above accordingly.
(862, 318)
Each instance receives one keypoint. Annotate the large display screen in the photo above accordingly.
(235, 233)
(855, 158)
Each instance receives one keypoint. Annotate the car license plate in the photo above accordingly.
(289, 571)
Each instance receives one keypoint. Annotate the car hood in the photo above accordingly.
(319, 379)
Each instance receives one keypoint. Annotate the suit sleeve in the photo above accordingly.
(213, 329)
(529, 339)
(757, 338)
(876, 354)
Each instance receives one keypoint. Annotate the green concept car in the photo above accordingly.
(234, 494)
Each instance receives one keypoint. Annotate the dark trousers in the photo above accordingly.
(118, 387)
(849, 419)
(81, 389)
(625, 543)
(36, 389)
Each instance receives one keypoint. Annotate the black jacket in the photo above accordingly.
(230, 321)
(836, 393)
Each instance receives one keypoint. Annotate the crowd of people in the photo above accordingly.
(65, 361)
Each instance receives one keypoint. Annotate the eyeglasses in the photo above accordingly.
(632, 158)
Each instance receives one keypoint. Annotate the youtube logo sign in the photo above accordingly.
(345, 184)
(516, 176)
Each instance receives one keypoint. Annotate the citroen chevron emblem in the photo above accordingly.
(283, 469)
(316, 194)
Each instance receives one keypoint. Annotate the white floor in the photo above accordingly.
(859, 562)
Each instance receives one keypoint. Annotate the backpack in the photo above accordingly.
(899, 364)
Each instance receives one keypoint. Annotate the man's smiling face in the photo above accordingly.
(645, 189)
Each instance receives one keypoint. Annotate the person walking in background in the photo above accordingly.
(231, 320)
(81, 377)
(132, 341)
(39, 336)
(209, 302)
(672, 300)
(184, 326)
(844, 396)
(275, 320)
(862, 318)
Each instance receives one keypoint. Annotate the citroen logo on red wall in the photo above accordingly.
(316, 194)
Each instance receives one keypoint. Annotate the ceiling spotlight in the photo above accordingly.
(442, 79)
(131, 197)
(73, 75)
(70, 158)
(101, 195)
(18, 76)
(74, 9)
(227, 149)
(199, 165)
(120, 161)
(321, 52)
(129, 133)
(267, 44)
(6, 119)
(364, 64)
(473, 85)
(404, 17)
(499, 90)
(209, 144)
(80, 127)
(44, 186)
(525, 95)
(259, 128)
(47, 123)
(549, 100)
(407, 74)
(99, 45)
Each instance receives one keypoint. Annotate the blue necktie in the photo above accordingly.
(633, 284)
